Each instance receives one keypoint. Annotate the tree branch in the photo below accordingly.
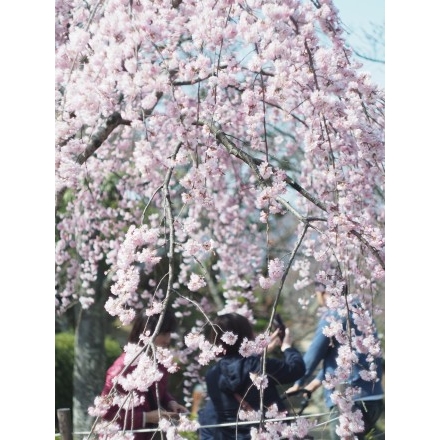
(112, 122)
(97, 139)
(365, 57)
(254, 162)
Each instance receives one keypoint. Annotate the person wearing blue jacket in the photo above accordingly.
(324, 349)
(229, 384)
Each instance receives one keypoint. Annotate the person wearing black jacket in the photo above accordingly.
(229, 384)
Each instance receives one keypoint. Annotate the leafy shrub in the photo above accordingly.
(64, 359)
(64, 355)
(112, 350)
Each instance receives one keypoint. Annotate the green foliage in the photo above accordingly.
(110, 188)
(64, 356)
(112, 350)
(64, 361)
(189, 435)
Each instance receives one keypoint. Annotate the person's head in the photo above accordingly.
(235, 323)
(143, 322)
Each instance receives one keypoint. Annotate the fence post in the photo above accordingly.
(65, 423)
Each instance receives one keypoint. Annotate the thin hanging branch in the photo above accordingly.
(170, 219)
(275, 304)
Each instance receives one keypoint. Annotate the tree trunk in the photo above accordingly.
(90, 357)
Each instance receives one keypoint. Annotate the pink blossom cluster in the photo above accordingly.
(138, 250)
(208, 351)
(297, 429)
(172, 428)
(196, 282)
(256, 346)
(260, 381)
(276, 271)
(144, 375)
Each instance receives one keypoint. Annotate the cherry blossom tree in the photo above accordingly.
(187, 134)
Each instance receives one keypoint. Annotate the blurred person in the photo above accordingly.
(370, 400)
(206, 416)
(147, 414)
(229, 384)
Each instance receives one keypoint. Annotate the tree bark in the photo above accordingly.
(90, 357)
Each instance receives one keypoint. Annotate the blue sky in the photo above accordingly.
(362, 17)
(361, 12)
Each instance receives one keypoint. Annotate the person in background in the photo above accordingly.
(229, 385)
(206, 416)
(371, 398)
(147, 414)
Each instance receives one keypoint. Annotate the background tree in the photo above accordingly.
(188, 134)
